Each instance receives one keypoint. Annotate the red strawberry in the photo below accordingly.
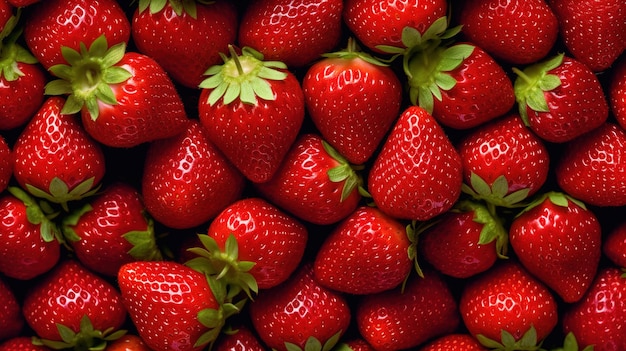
(508, 304)
(22, 343)
(194, 315)
(124, 98)
(560, 99)
(128, 342)
(405, 180)
(111, 230)
(80, 21)
(6, 164)
(314, 183)
(354, 345)
(184, 37)
(503, 162)
(617, 92)
(518, 31)
(558, 240)
(354, 129)
(253, 110)
(595, 33)
(295, 32)
(73, 307)
(593, 167)
(404, 318)
(599, 318)
(186, 180)
(299, 312)
(241, 339)
(381, 22)
(6, 12)
(11, 319)
(22, 3)
(454, 342)
(614, 245)
(366, 253)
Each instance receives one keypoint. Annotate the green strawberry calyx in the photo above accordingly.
(353, 51)
(528, 341)
(88, 77)
(313, 344)
(59, 192)
(246, 77)
(571, 344)
(11, 53)
(493, 229)
(497, 193)
(179, 7)
(86, 339)
(344, 172)
(41, 214)
(555, 197)
(532, 83)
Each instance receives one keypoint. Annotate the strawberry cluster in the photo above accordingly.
(185, 175)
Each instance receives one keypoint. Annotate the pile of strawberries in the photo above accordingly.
(312, 175)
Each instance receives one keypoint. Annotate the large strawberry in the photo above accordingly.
(406, 179)
(253, 110)
(354, 129)
(22, 343)
(184, 37)
(186, 180)
(73, 307)
(617, 92)
(614, 245)
(6, 164)
(454, 342)
(11, 319)
(295, 32)
(560, 98)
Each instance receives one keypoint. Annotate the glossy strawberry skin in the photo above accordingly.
(271, 27)
(6, 164)
(243, 339)
(614, 245)
(21, 99)
(617, 92)
(21, 343)
(404, 180)
(186, 180)
(454, 342)
(128, 342)
(11, 319)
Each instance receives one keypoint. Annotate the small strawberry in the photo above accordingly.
(73, 307)
(240, 339)
(454, 342)
(400, 319)
(614, 245)
(617, 92)
(354, 129)
(314, 182)
(300, 312)
(22, 3)
(295, 32)
(253, 110)
(593, 167)
(11, 319)
(128, 342)
(184, 37)
(186, 180)
(22, 343)
(6, 164)
(405, 180)
(560, 98)
(356, 344)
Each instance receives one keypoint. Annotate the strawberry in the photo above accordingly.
(55, 158)
(366, 253)
(355, 129)
(79, 21)
(454, 342)
(598, 319)
(186, 180)
(560, 98)
(558, 240)
(73, 307)
(507, 304)
(314, 182)
(253, 110)
(381, 22)
(110, 230)
(6, 164)
(593, 167)
(184, 37)
(518, 32)
(405, 180)
(503, 162)
(6, 12)
(125, 98)
(11, 319)
(295, 32)
(617, 92)
(404, 318)
(300, 312)
(22, 3)
(240, 339)
(128, 342)
(594, 34)
(22, 343)
(614, 245)
(356, 344)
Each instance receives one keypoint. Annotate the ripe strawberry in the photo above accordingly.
(404, 318)
(184, 37)
(241, 339)
(22, 343)
(299, 312)
(73, 307)
(194, 316)
(253, 110)
(599, 318)
(518, 31)
(128, 342)
(593, 167)
(354, 345)
(314, 182)
(617, 92)
(594, 33)
(22, 3)
(405, 180)
(454, 342)
(503, 162)
(560, 99)
(354, 129)
(6, 12)
(366, 253)
(110, 230)
(125, 98)
(11, 319)
(186, 180)
(55, 159)
(80, 21)
(507, 300)
(558, 240)
(614, 245)
(6, 164)
(295, 32)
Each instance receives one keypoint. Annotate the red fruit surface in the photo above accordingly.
(617, 92)
(614, 245)
(11, 319)
(22, 343)
(20, 99)
(6, 164)
(242, 339)
(128, 342)
(454, 342)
